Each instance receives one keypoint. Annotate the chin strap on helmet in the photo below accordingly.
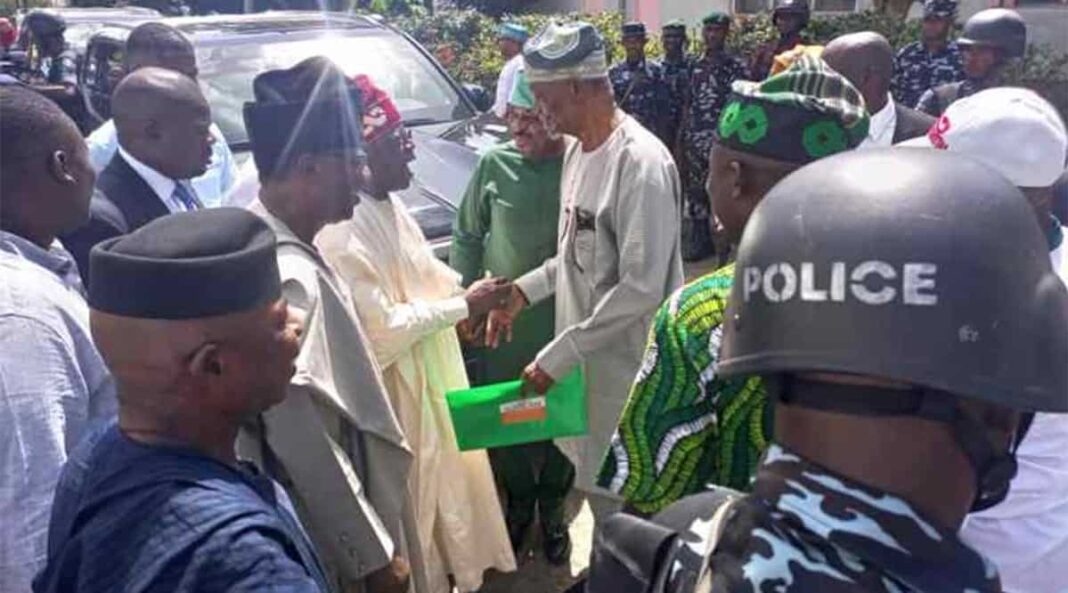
(994, 469)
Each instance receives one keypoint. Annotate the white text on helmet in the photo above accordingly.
(871, 282)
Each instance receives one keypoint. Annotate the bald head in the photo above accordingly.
(163, 121)
(161, 46)
(867, 60)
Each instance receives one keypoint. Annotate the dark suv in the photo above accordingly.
(448, 121)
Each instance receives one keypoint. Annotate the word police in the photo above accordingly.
(871, 282)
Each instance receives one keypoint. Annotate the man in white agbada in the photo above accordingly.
(618, 257)
(409, 303)
(334, 443)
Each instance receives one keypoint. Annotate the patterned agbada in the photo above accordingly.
(805, 529)
(916, 70)
(684, 427)
(641, 91)
(707, 89)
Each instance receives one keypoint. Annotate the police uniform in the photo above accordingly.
(677, 77)
(999, 28)
(642, 92)
(708, 87)
(917, 69)
(806, 528)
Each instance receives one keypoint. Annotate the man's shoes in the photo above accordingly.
(557, 546)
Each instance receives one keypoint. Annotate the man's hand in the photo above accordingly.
(536, 380)
(500, 321)
(472, 331)
(393, 578)
(486, 295)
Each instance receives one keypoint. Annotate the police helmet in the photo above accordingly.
(918, 266)
(996, 27)
(791, 7)
(43, 23)
(944, 9)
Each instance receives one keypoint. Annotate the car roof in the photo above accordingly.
(93, 14)
(224, 28)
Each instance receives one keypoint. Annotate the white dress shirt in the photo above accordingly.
(162, 185)
(505, 82)
(881, 128)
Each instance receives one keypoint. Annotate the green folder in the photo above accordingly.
(500, 415)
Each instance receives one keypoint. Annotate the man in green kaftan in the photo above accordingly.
(507, 227)
(684, 427)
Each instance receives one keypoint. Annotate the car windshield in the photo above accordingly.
(423, 95)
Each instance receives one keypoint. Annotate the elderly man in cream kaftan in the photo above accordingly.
(618, 257)
(409, 303)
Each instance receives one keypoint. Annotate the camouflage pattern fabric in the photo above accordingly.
(916, 70)
(677, 76)
(708, 87)
(642, 92)
(936, 100)
(683, 427)
(806, 530)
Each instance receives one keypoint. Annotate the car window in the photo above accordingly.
(422, 93)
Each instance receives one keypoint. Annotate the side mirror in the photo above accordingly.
(478, 96)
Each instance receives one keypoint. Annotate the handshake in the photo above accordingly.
(492, 304)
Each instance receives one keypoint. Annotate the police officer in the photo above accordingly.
(677, 64)
(932, 61)
(57, 64)
(711, 77)
(639, 84)
(899, 365)
(790, 17)
(989, 41)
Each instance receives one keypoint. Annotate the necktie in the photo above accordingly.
(185, 197)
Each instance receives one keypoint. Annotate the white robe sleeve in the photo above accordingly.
(645, 218)
(392, 326)
(539, 283)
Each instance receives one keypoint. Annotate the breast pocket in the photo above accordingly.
(584, 243)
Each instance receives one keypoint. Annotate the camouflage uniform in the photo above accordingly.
(917, 70)
(708, 88)
(807, 530)
(934, 101)
(677, 77)
(642, 92)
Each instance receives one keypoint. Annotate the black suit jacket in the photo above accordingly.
(910, 123)
(122, 203)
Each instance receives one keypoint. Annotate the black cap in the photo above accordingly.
(918, 266)
(310, 108)
(634, 29)
(189, 265)
(944, 9)
(996, 27)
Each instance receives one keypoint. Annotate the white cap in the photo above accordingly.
(1011, 130)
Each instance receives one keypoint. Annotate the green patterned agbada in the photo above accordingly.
(683, 427)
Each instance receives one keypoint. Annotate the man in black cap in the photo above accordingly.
(163, 125)
(990, 41)
(640, 87)
(54, 384)
(900, 372)
(867, 60)
(676, 65)
(708, 87)
(790, 18)
(189, 315)
(932, 61)
(335, 443)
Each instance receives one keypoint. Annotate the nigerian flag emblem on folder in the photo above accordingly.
(500, 415)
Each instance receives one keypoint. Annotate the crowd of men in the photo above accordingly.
(869, 398)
